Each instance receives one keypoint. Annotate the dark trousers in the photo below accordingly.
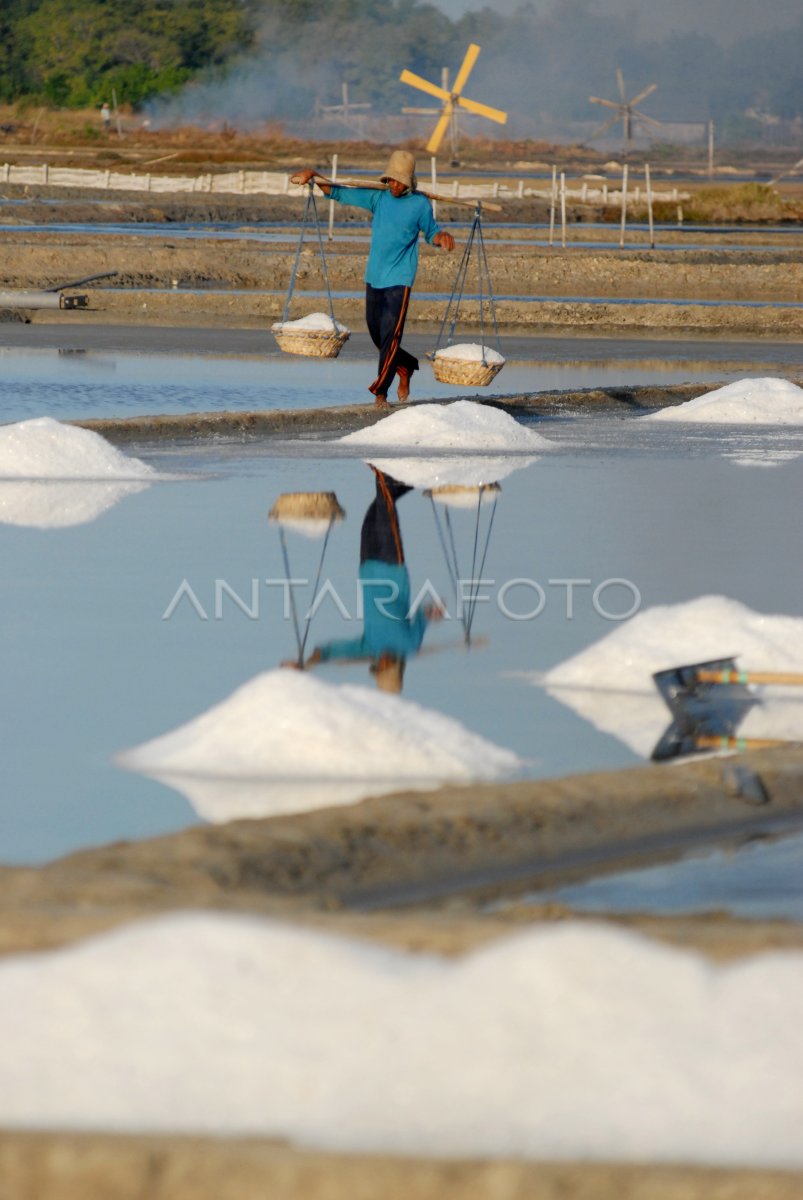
(385, 314)
(380, 538)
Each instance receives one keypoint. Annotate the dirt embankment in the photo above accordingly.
(244, 281)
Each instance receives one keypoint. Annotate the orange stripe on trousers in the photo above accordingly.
(395, 342)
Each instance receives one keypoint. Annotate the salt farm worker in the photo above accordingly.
(390, 631)
(400, 213)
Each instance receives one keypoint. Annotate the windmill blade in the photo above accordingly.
(483, 110)
(607, 103)
(422, 112)
(439, 130)
(620, 79)
(648, 91)
(465, 68)
(423, 85)
(637, 116)
(602, 128)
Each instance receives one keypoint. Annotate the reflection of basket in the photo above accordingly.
(464, 371)
(314, 343)
(459, 495)
(306, 506)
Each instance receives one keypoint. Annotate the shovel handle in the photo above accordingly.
(710, 742)
(781, 677)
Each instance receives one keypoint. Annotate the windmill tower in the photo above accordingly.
(624, 110)
(452, 100)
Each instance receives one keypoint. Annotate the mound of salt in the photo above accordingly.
(746, 402)
(578, 1041)
(312, 323)
(287, 726)
(471, 352)
(463, 425)
(610, 683)
(48, 449)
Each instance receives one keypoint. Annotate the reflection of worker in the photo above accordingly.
(390, 631)
(399, 214)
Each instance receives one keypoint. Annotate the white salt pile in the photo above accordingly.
(471, 352)
(464, 425)
(90, 475)
(47, 449)
(312, 323)
(287, 728)
(454, 470)
(610, 684)
(571, 1042)
(748, 401)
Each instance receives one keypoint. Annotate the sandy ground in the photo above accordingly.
(414, 871)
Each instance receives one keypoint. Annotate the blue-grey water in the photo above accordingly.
(92, 665)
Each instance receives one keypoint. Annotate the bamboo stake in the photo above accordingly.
(563, 209)
(648, 186)
(624, 208)
(433, 167)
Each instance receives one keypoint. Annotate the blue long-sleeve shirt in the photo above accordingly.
(397, 222)
(388, 626)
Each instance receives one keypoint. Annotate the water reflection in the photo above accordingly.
(38, 504)
(291, 740)
(393, 628)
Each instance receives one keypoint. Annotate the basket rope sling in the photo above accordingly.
(315, 343)
(466, 605)
(460, 370)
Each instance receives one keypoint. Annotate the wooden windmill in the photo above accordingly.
(624, 110)
(345, 111)
(452, 100)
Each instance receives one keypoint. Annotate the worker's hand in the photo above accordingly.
(434, 612)
(302, 178)
(444, 240)
(291, 664)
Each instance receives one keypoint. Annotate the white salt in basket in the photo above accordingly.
(467, 365)
(315, 336)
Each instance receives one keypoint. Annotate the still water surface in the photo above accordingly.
(92, 666)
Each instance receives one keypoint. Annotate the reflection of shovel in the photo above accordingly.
(708, 701)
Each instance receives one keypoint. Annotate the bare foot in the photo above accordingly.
(404, 384)
(381, 401)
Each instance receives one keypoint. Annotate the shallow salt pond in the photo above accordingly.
(105, 647)
(75, 383)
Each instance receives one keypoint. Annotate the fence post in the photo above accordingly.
(624, 208)
(433, 175)
(332, 203)
(648, 186)
(563, 209)
(553, 198)
(520, 192)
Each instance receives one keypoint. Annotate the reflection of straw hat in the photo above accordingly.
(401, 166)
(389, 673)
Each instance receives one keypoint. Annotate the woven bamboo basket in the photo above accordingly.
(313, 343)
(307, 506)
(464, 371)
(464, 495)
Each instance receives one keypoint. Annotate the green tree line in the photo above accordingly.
(252, 60)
